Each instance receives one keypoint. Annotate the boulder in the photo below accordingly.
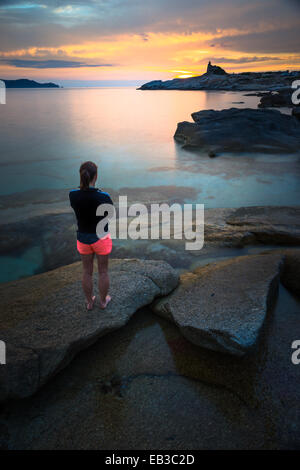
(44, 322)
(280, 98)
(240, 130)
(223, 306)
(274, 225)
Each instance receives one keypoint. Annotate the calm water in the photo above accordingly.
(46, 134)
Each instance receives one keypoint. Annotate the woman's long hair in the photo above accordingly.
(87, 171)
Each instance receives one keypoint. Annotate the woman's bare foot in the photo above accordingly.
(107, 300)
(90, 305)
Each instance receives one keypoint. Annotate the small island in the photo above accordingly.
(25, 83)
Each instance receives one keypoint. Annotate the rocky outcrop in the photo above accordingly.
(215, 69)
(44, 322)
(223, 306)
(280, 98)
(251, 225)
(55, 234)
(128, 391)
(214, 79)
(240, 130)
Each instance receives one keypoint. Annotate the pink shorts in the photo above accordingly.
(101, 247)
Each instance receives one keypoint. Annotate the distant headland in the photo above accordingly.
(25, 83)
(215, 78)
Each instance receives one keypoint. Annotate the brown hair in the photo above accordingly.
(87, 171)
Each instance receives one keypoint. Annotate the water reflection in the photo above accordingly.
(129, 133)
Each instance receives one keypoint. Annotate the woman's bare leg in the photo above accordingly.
(103, 279)
(87, 279)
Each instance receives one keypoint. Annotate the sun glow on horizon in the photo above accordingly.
(184, 74)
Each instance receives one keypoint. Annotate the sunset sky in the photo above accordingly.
(145, 40)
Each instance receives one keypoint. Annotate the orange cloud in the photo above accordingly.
(148, 56)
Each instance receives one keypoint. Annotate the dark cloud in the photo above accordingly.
(285, 40)
(49, 23)
(242, 60)
(49, 64)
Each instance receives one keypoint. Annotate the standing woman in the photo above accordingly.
(85, 201)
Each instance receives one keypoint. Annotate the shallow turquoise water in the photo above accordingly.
(15, 267)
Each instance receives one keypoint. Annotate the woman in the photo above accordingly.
(85, 202)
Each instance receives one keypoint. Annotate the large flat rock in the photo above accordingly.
(157, 390)
(223, 306)
(240, 130)
(44, 322)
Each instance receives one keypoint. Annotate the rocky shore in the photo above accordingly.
(282, 98)
(213, 79)
(240, 130)
(237, 130)
(226, 231)
(217, 350)
(224, 367)
(44, 322)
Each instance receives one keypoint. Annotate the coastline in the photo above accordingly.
(245, 81)
(27, 84)
(135, 360)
